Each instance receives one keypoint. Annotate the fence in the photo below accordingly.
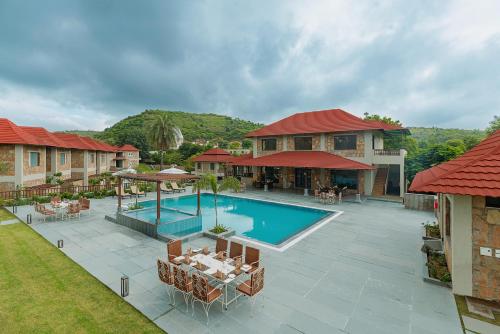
(55, 190)
(421, 202)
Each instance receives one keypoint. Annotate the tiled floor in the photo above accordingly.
(360, 273)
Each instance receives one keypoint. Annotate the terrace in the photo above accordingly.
(360, 273)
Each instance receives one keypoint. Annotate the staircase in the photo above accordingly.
(380, 182)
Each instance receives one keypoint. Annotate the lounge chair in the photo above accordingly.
(123, 193)
(252, 256)
(174, 249)
(166, 276)
(183, 284)
(135, 191)
(204, 293)
(221, 246)
(84, 204)
(175, 187)
(164, 188)
(235, 250)
(252, 287)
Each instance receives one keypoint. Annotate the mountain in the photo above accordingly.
(86, 133)
(440, 135)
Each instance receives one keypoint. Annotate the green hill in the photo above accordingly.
(440, 135)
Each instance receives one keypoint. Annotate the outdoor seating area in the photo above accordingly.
(206, 276)
(329, 195)
(63, 209)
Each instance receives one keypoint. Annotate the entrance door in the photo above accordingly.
(302, 178)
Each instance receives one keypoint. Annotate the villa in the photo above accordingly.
(468, 213)
(31, 154)
(214, 161)
(327, 147)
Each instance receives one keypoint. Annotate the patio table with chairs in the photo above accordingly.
(62, 209)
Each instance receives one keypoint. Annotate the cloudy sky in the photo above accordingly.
(87, 64)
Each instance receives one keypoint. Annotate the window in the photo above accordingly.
(92, 158)
(345, 142)
(103, 158)
(493, 202)
(34, 159)
(303, 143)
(130, 154)
(62, 159)
(344, 178)
(269, 144)
(212, 166)
(198, 165)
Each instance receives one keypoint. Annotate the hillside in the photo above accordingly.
(440, 135)
(86, 133)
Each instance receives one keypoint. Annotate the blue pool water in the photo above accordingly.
(268, 222)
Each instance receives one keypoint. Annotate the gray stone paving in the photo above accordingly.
(360, 273)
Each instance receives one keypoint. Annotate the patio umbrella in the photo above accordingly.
(173, 170)
(125, 171)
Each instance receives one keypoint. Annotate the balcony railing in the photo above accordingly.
(387, 152)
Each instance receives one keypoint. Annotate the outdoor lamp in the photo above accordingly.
(124, 286)
(28, 218)
(60, 243)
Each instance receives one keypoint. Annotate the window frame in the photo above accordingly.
(62, 158)
(212, 166)
(302, 149)
(263, 147)
(39, 158)
(335, 148)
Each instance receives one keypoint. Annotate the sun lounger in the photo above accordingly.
(134, 190)
(164, 188)
(123, 193)
(175, 187)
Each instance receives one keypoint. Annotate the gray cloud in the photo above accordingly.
(87, 64)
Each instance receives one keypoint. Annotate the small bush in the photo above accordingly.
(218, 229)
(89, 194)
(75, 197)
(438, 269)
(135, 207)
(432, 230)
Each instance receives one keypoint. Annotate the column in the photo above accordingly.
(19, 165)
(322, 142)
(85, 168)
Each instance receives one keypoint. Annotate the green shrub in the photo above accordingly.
(135, 207)
(432, 230)
(111, 192)
(41, 199)
(66, 195)
(218, 229)
(89, 194)
(75, 197)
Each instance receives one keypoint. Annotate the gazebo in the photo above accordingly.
(158, 178)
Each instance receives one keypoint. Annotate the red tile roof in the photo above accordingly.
(305, 159)
(477, 172)
(333, 120)
(214, 155)
(127, 148)
(45, 137)
(10, 133)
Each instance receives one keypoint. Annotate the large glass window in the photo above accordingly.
(344, 178)
(493, 202)
(34, 159)
(302, 178)
(269, 144)
(62, 159)
(344, 142)
(303, 143)
(212, 166)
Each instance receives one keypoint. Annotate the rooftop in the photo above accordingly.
(214, 155)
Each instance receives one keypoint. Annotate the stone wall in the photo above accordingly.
(7, 186)
(485, 233)
(8, 156)
(27, 169)
(76, 159)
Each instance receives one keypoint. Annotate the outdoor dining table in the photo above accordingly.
(213, 265)
(60, 208)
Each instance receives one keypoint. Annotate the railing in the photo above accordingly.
(387, 152)
(53, 190)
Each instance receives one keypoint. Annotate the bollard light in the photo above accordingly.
(60, 243)
(14, 208)
(28, 218)
(124, 286)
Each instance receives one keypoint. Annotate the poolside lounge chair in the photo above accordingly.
(73, 210)
(221, 246)
(175, 187)
(174, 249)
(164, 188)
(252, 287)
(252, 256)
(166, 276)
(204, 293)
(183, 284)
(84, 204)
(235, 250)
(41, 209)
(134, 190)
(124, 194)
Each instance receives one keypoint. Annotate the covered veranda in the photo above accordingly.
(302, 170)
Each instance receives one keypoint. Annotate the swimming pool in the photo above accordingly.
(267, 222)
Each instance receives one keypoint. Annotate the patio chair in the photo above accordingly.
(123, 193)
(174, 249)
(175, 187)
(84, 204)
(204, 293)
(183, 284)
(134, 190)
(46, 213)
(252, 256)
(55, 200)
(235, 250)
(73, 210)
(166, 276)
(317, 194)
(221, 246)
(252, 287)
(163, 188)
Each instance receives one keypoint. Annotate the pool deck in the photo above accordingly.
(360, 273)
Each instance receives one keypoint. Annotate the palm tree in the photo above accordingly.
(209, 182)
(162, 133)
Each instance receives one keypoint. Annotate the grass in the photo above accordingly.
(143, 168)
(43, 291)
(463, 310)
(6, 215)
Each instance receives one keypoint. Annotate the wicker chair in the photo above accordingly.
(166, 276)
(41, 209)
(84, 204)
(174, 249)
(252, 256)
(73, 210)
(235, 250)
(204, 293)
(252, 287)
(183, 284)
(221, 246)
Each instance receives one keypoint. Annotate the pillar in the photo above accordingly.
(158, 200)
(85, 168)
(19, 165)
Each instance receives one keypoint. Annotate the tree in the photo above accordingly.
(188, 149)
(494, 125)
(209, 182)
(161, 133)
(247, 143)
(234, 145)
(135, 137)
(385, 119)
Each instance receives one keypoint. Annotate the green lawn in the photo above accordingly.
(43, 291)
